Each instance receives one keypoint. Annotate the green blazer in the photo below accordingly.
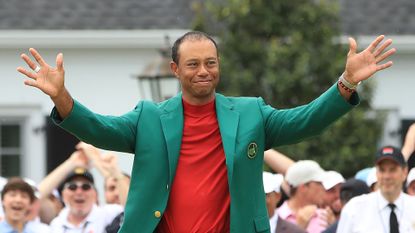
(248, 127)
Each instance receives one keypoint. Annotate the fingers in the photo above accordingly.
(75, 154)
(375, 43)
(31, 83)
(39, 59)
(59, 62)
(378, 52)
(37, 56)
(26, 72)
(28, 61)
(110, 155)
(352, 46)
(86, 147)
(385, 55)
(80, 145)
(384, 66)
(382, 47)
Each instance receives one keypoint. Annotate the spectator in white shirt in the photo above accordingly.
(349, 189)
(373, 212)
(116, 183)
(81, 213)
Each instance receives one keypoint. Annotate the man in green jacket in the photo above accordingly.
(199, 155)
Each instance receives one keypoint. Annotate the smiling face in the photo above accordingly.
(390, 176)
(79, 201)
(197, 69)
(16, 204)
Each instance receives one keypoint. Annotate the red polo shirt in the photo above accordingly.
(199, 199)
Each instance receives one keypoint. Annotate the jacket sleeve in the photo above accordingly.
(288, 126)
(116, 133)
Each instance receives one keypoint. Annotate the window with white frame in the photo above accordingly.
(10, 148)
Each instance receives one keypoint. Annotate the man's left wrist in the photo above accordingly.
(347, 84)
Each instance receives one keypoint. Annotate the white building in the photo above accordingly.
(106, 45)
(394, 87)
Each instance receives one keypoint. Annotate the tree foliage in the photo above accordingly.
(288, 53)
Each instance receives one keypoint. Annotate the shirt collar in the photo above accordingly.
(89, 218)
(383, 203)
(5, 227)
(92, 216)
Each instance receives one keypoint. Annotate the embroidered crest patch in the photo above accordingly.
(252, 150)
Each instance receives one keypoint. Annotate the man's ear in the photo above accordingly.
(174, 68)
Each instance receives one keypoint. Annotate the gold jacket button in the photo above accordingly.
(157, 214)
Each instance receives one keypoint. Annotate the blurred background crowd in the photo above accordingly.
(300, 195)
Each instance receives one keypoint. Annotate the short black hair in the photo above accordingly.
(192, 35)
(17, 183)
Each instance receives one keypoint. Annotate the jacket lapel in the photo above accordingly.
(228, 124)
(172, 124)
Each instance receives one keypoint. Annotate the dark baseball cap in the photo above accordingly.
(352, 188)
(79, 172)
(390, 153)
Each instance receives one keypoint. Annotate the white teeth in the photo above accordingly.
(17, 208)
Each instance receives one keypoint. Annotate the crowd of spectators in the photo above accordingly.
(300, 196)
(66, 200)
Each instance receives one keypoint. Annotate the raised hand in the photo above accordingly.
(48, 79)
(110, 164)
(409, 144)
(90, 152)
(327, 216)
(305, 214)
(361, 66)
(78, 159)
(106, 163)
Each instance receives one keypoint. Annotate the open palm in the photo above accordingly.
(361, 66)
(48, 79)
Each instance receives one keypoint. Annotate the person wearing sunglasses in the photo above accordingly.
(73, 186)
(81, 213)
(199, 155)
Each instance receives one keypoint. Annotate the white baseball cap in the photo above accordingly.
(272, 182)
(332, 179)
(411, 176)
(32, 184)
(371, 177)
(3, 182)
(304, 171)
